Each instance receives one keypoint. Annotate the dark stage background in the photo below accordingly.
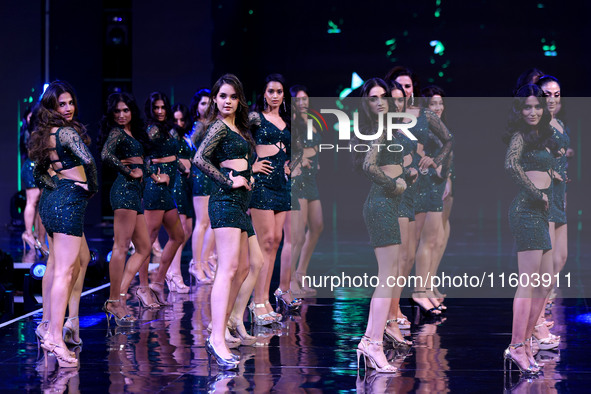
(180, 46)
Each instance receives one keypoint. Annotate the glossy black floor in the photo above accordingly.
(313, 351)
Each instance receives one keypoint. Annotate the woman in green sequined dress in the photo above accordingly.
(529, 161)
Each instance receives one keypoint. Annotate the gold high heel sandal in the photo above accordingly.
(204, 280)
(64, 358)
(68, 333)
(362, 349)
(175, 283)
(141, 298)
(159, 294)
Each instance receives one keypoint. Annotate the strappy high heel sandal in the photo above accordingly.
(204, 280)
(369, 361)
(142, 300)
(40, 248)
(40, 332)
(390, 337)
(238, 330)
(403, 322)
(28, 240)
(293, 305)
(68, 333)
(159, 293)
(124, 321)
(308, 291)
(64, 357)
(260, 320)
(508, 360)
(431, 311)
(548, 343)
(277, 316)
(175, 283)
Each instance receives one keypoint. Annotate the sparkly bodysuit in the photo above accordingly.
(380, 210)
(158, 196)
(202, 184)
(308, 188)
(437, 143)
(271, 192)
(182, 190)
(528, 218)
(64, 206)
(558, 207)
(227, 205)
(126, 192)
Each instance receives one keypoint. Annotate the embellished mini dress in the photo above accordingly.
(271, 191)
(201, 183)
(380, 210)
(558, 207)
(126, 192)
(406, 208)
(183, 185)
(307, 184)
(528, 217)
(159, 196)
(63, 208)
(437, 143)
(227, 205)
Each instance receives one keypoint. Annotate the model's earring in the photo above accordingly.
(265, 101)
(412, 99)
(284, 107)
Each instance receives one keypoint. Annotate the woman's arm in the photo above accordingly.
(440, 130)
(70, 138)
(514, 168)
(108, 152)
(375, 173)
(203, 159)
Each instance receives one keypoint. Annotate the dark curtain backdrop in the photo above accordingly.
(181, 46)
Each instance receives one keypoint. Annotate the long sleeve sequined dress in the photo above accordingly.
(271, 191)
(183, 185)
(380, 210)
(65, 204)
(202, 185)
(227, 205)
(558, 207)
(437, 143)
(126, 192)
(528, 217)
(158, 196)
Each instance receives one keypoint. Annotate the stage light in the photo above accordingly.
(356, 81)
(38, 270)
(584, 318)
(333, 28)
(345, 92)
(439, 47)
(437, 13)
(45, 86)
(250, 12)
(222, 43)
(109, 256)
(540, 5)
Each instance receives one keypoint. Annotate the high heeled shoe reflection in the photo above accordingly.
(60, 380)
(431, 361)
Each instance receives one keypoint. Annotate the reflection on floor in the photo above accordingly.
(313, 351)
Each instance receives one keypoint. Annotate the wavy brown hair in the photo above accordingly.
(241, 119)
(47, 117)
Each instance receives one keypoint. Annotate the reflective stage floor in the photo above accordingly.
(310, 352)
(313, 351)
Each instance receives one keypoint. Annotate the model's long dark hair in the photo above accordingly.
(183, 109)
(47, 117)
(138, 130)
(529, 76)
(368, 121)
(535, 137)
(298, 126)
(399, 71)
(543, 80)
(164, 126)
(241, 117)
(195, 102)
(430, 91)
(283, 107)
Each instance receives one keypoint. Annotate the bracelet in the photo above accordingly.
(158, 178)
